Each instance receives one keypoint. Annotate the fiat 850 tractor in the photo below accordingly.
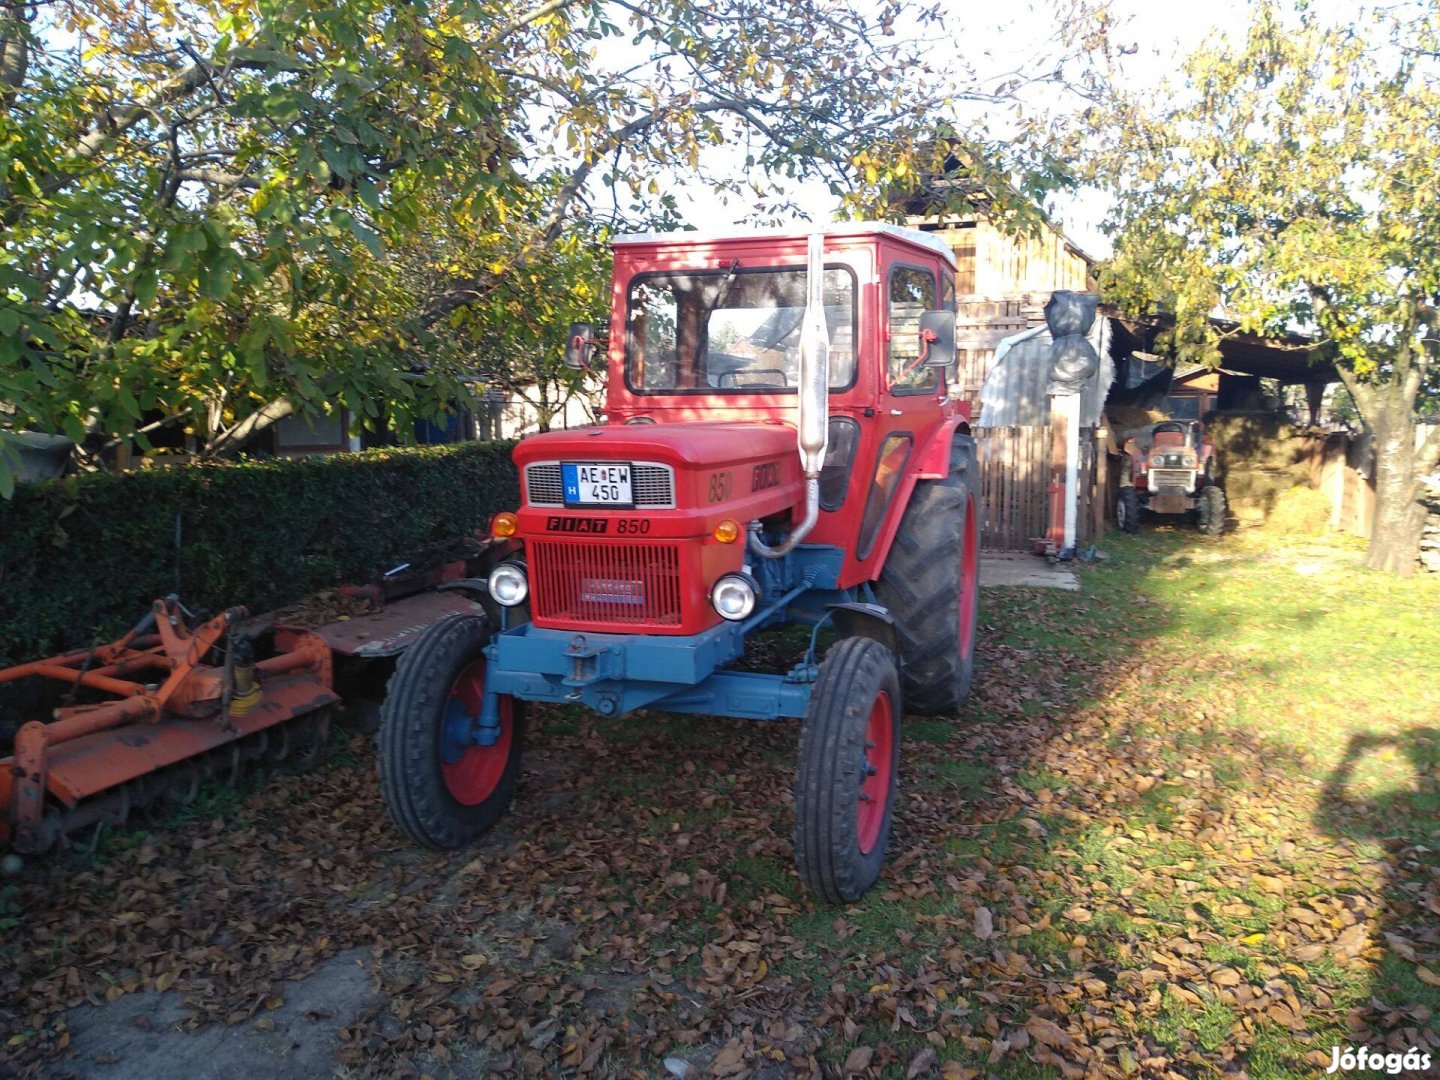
(657, 543)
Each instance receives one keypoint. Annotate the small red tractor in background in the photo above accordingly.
(656, 544)
(1170, 468)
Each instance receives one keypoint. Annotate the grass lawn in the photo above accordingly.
(1186, 827)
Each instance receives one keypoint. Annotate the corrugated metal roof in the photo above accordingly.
(1017, 390)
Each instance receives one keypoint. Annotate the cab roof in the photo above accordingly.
(798, 231)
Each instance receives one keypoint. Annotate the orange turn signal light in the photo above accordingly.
(727, 532)
(504, 524)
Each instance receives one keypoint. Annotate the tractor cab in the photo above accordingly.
(707, 329)
(779, 447)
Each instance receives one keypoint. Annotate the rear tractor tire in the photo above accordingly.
(1211, 505)
(931, 585)
(846, 780)
(1127, 510)
(442, 789)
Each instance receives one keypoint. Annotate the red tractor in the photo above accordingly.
(1170, 469)
(657, 543)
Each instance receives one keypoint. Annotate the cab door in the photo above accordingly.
(912, 395)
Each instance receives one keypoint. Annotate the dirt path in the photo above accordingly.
(144, 1035)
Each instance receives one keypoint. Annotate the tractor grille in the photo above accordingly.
(652, 485)
(1172, 478)
(577, 581)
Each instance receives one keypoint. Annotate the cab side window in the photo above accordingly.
(912, 292)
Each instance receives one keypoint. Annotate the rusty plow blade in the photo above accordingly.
(156, 713)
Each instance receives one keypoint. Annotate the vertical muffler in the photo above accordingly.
(813, 401)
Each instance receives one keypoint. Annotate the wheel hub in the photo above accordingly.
(475, 747)
(875, 764)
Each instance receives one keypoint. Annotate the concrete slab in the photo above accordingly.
(1016, 569)
(139, 1035)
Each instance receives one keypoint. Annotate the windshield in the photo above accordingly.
(732, 331)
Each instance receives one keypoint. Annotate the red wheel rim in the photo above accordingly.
(969, 580)
(875, 784)
(475, 776)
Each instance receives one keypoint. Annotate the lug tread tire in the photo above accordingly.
(827, 780)
(411, 721)
(920, 585)
(1212, 510)
(1128, 510)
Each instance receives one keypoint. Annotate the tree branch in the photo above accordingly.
(241, 433)
(115, 124)
(219, 178)
(1361, 394)
(499, 34)
(462, 292)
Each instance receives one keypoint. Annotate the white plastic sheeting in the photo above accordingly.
(1016, 392)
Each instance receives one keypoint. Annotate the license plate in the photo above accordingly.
(612, 591)
(596, 483)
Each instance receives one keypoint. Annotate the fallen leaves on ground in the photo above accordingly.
(1095, 872)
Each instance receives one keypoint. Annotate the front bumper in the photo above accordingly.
(614, 674)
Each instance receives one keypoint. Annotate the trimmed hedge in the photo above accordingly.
(81, 558)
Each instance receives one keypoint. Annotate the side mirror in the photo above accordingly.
(937, 338)
(578, 346)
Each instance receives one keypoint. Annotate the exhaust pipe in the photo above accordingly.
(813, 426)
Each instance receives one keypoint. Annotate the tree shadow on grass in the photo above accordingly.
(1401, 826)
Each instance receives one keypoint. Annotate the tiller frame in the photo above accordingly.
(170, 718)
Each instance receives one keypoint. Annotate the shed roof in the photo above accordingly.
(1290, 358)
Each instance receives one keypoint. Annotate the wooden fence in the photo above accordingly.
(1341, 466)
(1016, 468)
(1014, 478)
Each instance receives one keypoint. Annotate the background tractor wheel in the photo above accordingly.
(1212, 510)
(1127, 510)
(845, 783)
(931, 584)
(442, 790)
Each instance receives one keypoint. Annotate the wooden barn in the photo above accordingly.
(1002, 283)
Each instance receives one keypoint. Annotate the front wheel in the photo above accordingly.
(845, 783)
(445, 779)
(1127, 510)
(1212, 510)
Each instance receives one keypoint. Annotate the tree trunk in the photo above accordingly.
(14, 55)
(1399, 518)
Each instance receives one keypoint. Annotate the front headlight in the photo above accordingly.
(508, 584)
(734, 596)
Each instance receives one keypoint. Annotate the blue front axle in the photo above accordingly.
(615, 674)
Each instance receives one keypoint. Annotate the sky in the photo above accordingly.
(994, 38)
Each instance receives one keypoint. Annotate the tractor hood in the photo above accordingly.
(686, 445)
